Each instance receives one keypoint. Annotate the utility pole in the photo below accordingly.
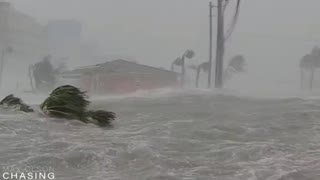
(210, 45)
(220, 46)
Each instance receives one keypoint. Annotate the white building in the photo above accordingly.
(28, 40)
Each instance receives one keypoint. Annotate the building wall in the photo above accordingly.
(121, 83)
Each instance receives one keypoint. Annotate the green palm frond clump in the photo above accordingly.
(70, 103)
(99, 117)
(64, 102)
(16, 103)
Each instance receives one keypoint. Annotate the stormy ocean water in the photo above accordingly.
(173, 136)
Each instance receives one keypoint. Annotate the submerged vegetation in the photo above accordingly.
(16, 103)
(66, 102)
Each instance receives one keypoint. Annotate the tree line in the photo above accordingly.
(309, 63)
(235, 65)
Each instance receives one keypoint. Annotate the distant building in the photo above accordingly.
(64, 37)
(28, 41)
(120, 76)
(65, 42)
(21, 32)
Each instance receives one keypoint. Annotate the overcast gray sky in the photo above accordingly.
(272, 34)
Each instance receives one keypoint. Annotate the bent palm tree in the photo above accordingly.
(16, 103)
(204, 67)
(70, 103)
(189, 54)
(65, 102)
(44, 74)
(176, 62)
(309, 63)
(180, 61)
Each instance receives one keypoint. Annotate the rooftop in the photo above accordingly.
(119, 66)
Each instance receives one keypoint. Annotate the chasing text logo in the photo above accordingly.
(27, 173)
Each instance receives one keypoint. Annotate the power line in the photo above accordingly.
(220, 46)
(221, 38)
(234, 20)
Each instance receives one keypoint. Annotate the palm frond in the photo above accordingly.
(71, 103)
(67, 99)
(101, 117)
(237, 63)
(178, 61)
(189, 54)
(15, 102)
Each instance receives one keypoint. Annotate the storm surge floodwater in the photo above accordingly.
(173, 136)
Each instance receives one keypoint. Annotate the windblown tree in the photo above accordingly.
(306, 64)
(71, 103)
(235, 65)
(176, 62)
(11, 101)
(43, 74)
(202, 67)
(309, 63)
(180, 61)
(66, 102)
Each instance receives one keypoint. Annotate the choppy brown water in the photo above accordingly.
(179, 136)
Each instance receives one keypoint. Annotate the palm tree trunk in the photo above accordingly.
(31, 78)
(311, 78)
(301, 77)
(198, 76)
(183, 71)
(172, 66)
(226, 75)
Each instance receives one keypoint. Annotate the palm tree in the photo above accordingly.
(189, 54)
(44, 75)
(30, 72)
(66, 102)
(310, 63)
(180, 61)
(203, 66)
(235, 65)
(194, 67)
(176, 62)
(307, 63)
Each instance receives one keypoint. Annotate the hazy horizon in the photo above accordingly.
(272, 35)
